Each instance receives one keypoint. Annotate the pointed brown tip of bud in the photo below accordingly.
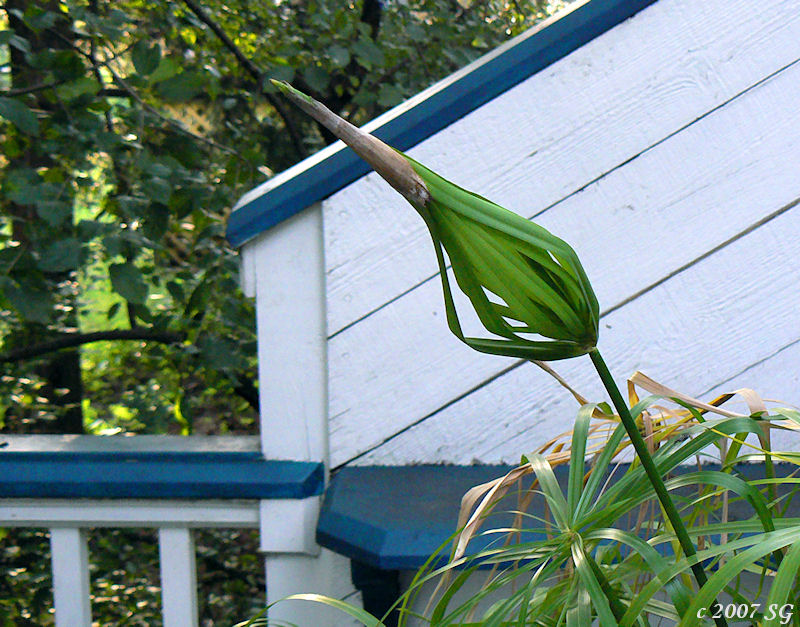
(390, 164)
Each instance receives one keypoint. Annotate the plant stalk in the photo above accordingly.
(650, 469)
(617, 608)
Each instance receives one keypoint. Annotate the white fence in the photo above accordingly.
(68, 520)
(70, 484)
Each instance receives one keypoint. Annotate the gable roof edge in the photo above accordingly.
(433, 109)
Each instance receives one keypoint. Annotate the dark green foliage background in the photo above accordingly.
(127, 132)
(124, 576)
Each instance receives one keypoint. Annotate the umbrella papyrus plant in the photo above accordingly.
(526, 285)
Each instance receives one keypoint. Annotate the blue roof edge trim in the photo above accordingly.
(154, 475)
(336, 166)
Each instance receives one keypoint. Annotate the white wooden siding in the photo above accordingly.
(657, 151)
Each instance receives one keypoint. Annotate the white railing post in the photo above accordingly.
(70, 577)
(178, 576)
(285, 270)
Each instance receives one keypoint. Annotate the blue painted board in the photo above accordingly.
(335, 167)
(395, 518)
(155, 475)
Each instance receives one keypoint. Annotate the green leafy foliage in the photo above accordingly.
(25, 587)
(603, 553)
(146, 57)
(125, 577)
(128, 282)
(128, 131)
(19, 115)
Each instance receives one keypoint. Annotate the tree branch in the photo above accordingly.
(254, 71)
(243, 386)
(371, 12)
(245, 389)
(96, 70)
(71, 340)
(20, 91)
(246, 63)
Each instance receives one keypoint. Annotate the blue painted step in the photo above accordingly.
(395, 518)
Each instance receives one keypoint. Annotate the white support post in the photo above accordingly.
(178, 576)
(287, 268)
(289, 526)
(292, 574)
(70, 577)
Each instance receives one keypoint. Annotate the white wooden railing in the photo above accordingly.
(46, 475)
(293, 382)
(68, 522)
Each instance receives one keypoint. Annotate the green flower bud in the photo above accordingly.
(527, 286)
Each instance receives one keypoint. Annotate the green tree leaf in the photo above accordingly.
(19, 115)
(156, 221)
(60, 256)
(32, 303)
(15, 41)
(279, 72)
(146, 57)
(339, 55)
(182, 87)
(368, 54)
(158, 189)
(219, 353)
(389, 96)
(54, 212)
(128, 282)
(317, 78)
(167, 68)
(83, 86)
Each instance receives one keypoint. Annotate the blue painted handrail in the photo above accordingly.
(156, 475)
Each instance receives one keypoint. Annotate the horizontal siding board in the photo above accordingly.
(550, 136)
(431, 111)
(776, 374)
(632, 229)
(703, 326)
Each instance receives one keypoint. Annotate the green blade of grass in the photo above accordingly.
(783, 584)
(593, 587)
(364, 617)
(580, 433)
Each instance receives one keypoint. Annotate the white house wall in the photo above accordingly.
(657, 151)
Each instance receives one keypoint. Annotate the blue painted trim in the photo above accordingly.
(395, 518)
(156, 475)
(324, 175)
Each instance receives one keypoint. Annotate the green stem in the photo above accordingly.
(617, 607)
(650, 469)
